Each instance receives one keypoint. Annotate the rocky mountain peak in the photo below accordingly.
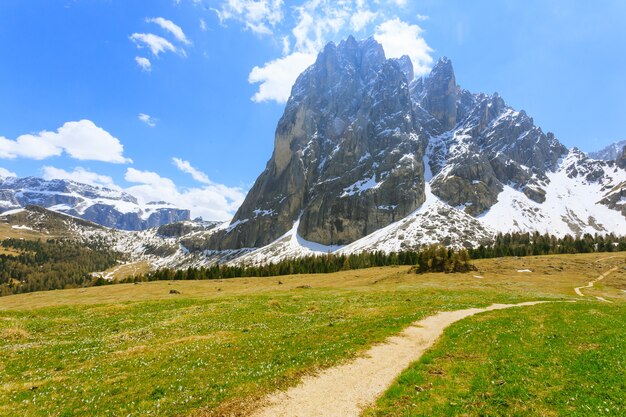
(440, 93)
(362, 144)
(406, 66)
(346, 142)
(442, 69)
(349, 57)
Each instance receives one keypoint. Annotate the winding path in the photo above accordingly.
(346, 389)
(590, 284)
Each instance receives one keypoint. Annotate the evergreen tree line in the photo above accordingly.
(53, 264)
(533, 244)
(434, 258)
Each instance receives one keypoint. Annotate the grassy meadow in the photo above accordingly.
(218, 347)
(548, 360)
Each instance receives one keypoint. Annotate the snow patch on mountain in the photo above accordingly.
(434, 222)
(290, 245)
(360, 186)
(572, 204)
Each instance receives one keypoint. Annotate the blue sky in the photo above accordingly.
(219, 72)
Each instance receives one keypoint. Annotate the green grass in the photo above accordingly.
(176, 356)
(220, 346)
(550, 360)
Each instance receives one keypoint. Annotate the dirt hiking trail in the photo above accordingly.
(344, 390)
(590, 284)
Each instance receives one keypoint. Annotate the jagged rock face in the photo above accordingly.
(165, 216)
(491, 145)
(108, 216)
(348, 154)
(439, 94)
(616, 198)
(110, 208)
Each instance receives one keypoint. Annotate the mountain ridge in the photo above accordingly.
(610, 152)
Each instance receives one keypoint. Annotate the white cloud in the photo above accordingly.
(203, 25)
(258, 16)
(422, 17)
(155, 43)
(195, 173)
(286, 45)
(212, 201)
(79, 174)
(147, 119)
(81, 140)
(6, 173)
(171, 27)
(318, 21)
(149, 178)
(276, 77)
(144, 63)
(29, 146)
(400, 38)
(361, 19)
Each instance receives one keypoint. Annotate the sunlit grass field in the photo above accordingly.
(219, 346)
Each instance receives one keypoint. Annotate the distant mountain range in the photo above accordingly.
(368, 157)
(110, 208)
(610, 153)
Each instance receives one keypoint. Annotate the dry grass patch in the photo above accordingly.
(15, 334)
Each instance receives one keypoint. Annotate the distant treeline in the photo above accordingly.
(428, 259)
(532, 244)
(37, 265)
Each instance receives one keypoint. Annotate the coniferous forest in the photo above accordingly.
(36, 265)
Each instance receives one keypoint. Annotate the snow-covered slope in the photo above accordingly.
(147, 245)
(435, 222)
(572, 202)
(290, 245)
(573, 194)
